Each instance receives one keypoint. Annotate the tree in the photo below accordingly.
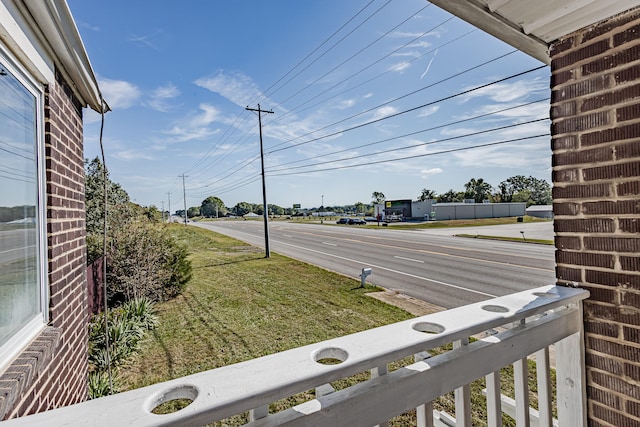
(212, 207)
(119, 208)
(142, 258)
(530, 190)
(193, 211)
(117, 198)
(243, 208)
(359, 207)
(477, 189)
(276, 210)
(450, 197)
(427, 195)
(378, 197)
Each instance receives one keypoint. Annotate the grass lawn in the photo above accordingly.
(240, 305)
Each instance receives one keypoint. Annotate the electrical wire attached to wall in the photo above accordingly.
(103, 106)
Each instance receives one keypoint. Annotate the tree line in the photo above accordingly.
(519, 188)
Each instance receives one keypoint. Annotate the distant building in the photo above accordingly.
(430, 210)
(540, 211)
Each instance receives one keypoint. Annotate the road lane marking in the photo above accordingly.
(409, 259)
(392, 270)
(329, 244)
(444, 254)
(286, 235)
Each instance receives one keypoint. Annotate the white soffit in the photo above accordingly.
(58, 28)
(530, 25)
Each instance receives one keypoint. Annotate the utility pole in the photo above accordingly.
(163, 211)
(169, 195)
(184, 197)
(265, 209)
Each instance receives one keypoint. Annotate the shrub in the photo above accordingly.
(127, 326)
(143, 261)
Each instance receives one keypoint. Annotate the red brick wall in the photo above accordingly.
(595, 115)
(52, 372)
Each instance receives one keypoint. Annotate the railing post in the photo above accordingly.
(494, 400)
(257, 413)
(463, 396)
(521, 386)
(571, 392)
(424, 413)
(544, 388)
(375, 373)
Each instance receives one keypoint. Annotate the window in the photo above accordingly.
(22, 236)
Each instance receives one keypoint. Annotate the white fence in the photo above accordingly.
(521, 324)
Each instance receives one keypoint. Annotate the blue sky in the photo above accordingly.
(367, 95)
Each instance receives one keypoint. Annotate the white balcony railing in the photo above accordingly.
(522, 324)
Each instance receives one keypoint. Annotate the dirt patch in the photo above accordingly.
(412, 305)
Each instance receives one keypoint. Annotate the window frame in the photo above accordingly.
(19, 341)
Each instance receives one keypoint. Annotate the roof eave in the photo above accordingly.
(481, 17)
(59, 30)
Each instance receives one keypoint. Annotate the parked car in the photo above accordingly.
(343, 221)
(357, 221)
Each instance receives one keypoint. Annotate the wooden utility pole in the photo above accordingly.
(264, 187)
(184, 197)
(169, 195)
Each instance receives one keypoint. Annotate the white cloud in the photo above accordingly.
(384, 112)
(428, 111)
(119, 93)
(508, 92)
(524, 154)
(147, 40)
(400, 67)
(410, 54)
(346, 103)
(425, 173)
(161, 98)
(237, 88)
(128, 155)
(196, 126)
(208, 115)
(429, 64)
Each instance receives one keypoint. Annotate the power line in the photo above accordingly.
(416, 156)
(417, 132)
(334, 45)
(452, 138)
(406, 111)
(354, 55)
(317, 48)
(341, 82)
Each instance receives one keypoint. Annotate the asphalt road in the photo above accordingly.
(434, 267)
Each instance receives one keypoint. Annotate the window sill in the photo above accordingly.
(22, 373)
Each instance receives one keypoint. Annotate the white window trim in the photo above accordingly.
(17, 343)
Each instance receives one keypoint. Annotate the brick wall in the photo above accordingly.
(52, 372)
(595, 115)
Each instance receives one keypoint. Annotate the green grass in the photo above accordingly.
(509, 239)
(240, 305)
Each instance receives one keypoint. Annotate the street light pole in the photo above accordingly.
(322, 211)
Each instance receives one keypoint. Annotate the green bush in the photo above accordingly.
(145, 262)
(127, 327)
